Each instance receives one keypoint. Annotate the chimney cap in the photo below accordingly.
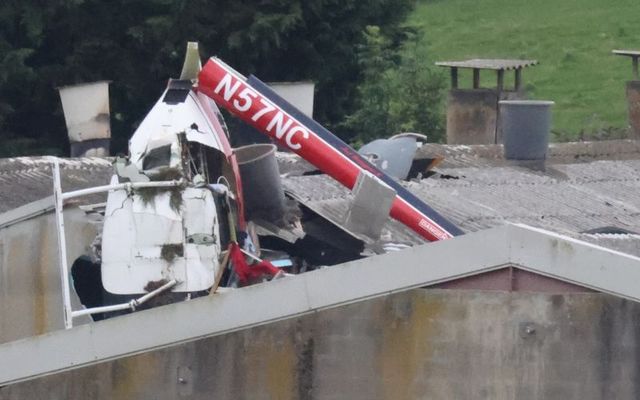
(527, 102)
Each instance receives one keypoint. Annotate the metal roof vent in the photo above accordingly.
(86, 112)
(609, 230)
(525, 128)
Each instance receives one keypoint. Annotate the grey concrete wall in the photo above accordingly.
(633, 104)
(30, 285)
(473, 114)
(421, 344)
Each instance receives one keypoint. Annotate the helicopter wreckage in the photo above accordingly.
(187, 215)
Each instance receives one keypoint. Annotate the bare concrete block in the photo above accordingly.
(472, 116)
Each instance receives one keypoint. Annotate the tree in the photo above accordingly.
(139, 44)
(399, 92)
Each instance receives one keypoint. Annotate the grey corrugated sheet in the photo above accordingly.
(559, 153)
(27, 179)
(601, 187)
(587, 196)
(464, 156)
(584, 186)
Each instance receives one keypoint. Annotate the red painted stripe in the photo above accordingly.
(231, 92)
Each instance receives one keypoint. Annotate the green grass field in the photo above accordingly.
(572, 40)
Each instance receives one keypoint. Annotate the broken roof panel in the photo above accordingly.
(582, 186)
(329, 199)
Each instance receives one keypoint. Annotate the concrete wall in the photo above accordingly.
(472, 115)
(421, 344)
(30, 286)
(633, 103)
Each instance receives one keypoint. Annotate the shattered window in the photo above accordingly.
(158, 157)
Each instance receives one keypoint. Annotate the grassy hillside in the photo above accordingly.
(572, 39)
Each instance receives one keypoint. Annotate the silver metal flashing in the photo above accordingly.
(369, 211)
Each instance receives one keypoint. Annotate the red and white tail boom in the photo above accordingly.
(254, 103)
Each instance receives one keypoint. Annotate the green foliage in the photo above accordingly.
(139, 44)
(399, 92)
(571, 39)
(149, 194)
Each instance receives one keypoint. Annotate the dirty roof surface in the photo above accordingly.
(27, 179)
(582, 186)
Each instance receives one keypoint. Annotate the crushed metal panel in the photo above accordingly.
(330, 200)
(147, 241)
(369, 211)
(165, 120)
(331, 209)
(290, 233)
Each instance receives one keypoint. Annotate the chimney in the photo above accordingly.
(86, 112)
(525, 129)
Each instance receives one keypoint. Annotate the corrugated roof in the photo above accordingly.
(483, 63)
(28, 179)
(564, 198)
(330, 199)
(491, 155)
(582, 186)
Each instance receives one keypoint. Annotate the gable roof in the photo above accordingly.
(530, 249)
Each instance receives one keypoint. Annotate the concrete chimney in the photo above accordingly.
(86, 112)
